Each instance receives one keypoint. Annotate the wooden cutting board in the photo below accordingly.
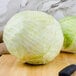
(10, 66)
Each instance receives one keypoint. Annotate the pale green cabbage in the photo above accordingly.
(68, 25)
(33, 37)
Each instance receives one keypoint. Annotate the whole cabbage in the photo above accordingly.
(33, 36)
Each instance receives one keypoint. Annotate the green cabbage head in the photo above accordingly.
(34, 37)
(68, 25)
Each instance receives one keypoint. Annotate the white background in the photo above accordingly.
(57, 8)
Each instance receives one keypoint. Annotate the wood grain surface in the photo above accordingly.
(11, 66)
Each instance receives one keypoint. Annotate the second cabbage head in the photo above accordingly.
(68, 25)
